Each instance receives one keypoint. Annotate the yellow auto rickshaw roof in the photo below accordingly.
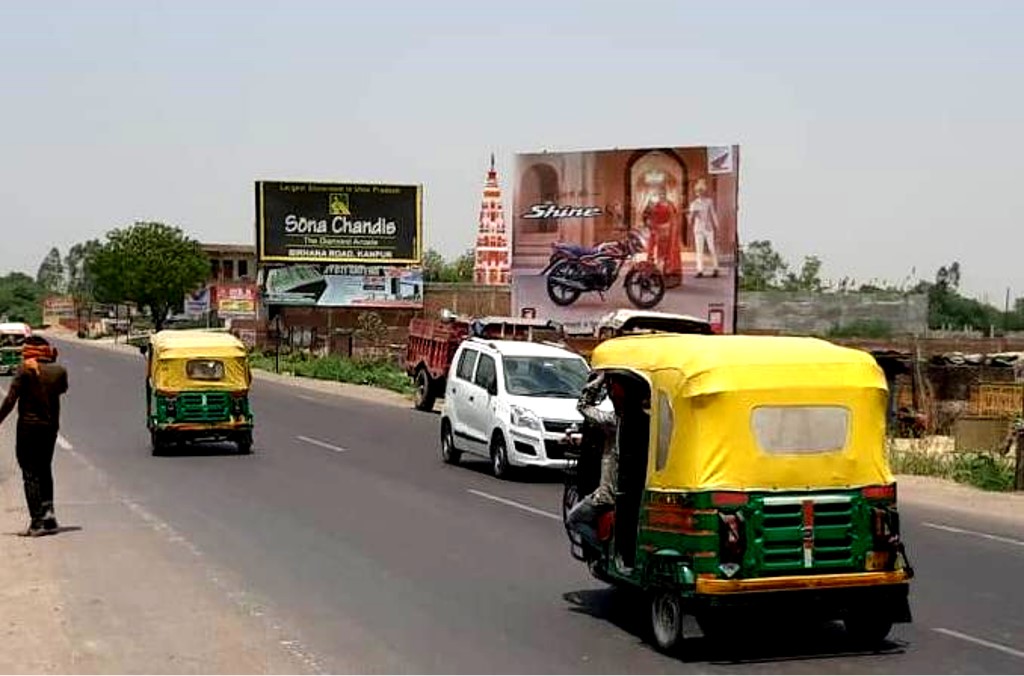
(707, 364)
(182, 344)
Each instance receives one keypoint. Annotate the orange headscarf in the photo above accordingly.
(32, 354)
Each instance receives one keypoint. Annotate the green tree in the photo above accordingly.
(78, 267)
(21, 299)
(50, 277)
(462, 267)
(152, 265)
(808, 279)
(761, 267)
(433, 266)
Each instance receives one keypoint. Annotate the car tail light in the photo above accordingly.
(172, 408)
(238, 403)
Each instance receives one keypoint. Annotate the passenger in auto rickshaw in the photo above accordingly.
(611, 432)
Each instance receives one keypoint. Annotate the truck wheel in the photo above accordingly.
(667, 621)
(425, 396)
(449, 453)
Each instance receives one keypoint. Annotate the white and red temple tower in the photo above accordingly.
(493, 251)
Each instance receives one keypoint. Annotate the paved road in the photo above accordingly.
(346, 527)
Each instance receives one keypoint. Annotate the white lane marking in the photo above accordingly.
(980, 641)
(961, 531)
(517, 505)
(88, 369)
(321, 444)
(307, 397)
(63, 442)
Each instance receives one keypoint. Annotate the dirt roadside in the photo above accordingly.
(118, 591)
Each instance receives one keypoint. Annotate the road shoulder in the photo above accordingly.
(115, 592)
(1006, 508)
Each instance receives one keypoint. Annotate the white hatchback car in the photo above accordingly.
(512, 402)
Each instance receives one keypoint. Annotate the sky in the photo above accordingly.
(884, 138)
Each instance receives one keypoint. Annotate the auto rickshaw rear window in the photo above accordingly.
(205, 369)
(801, 429)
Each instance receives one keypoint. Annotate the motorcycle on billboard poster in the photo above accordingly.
(574, 269)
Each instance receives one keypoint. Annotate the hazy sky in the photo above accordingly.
(882, 137)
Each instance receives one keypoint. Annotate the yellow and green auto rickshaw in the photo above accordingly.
(752, 482)
(12, 337)
(197, 389)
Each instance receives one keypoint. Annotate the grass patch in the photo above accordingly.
(981, 470)
(383, 374)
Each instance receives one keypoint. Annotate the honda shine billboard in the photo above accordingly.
(651, 229)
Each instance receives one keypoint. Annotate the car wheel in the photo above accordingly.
(499, 458)
(449, 453)
(667, 621)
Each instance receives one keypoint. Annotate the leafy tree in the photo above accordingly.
(463, 266)
(152, 265)
(78, 267)
(21, 299)
(761, 267)
(51, 273)
(437, 269)
(433, 266)
(808, 279)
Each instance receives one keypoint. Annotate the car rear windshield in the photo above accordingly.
(205, 369)
(801, 429)
(559, 377)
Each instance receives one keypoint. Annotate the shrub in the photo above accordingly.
(982, 470)
(382, 374)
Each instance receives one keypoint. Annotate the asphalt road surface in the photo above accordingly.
(346, 527)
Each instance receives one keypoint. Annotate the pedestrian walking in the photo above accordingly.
(36, 390)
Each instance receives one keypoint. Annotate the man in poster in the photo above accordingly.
(704, 221)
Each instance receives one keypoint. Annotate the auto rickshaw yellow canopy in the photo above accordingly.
(173, 350)
(757, 412)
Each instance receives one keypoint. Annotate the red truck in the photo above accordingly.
(432, 343)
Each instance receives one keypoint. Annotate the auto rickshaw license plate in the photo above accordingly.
(877, 560)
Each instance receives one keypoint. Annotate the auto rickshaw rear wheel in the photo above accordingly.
(244, 443)
(158, 442)
(667, 620)
(867, 630)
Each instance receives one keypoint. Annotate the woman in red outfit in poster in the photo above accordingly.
(661, 217)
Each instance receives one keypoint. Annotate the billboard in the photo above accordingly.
(235, 299)
(338, 222)
(312, 285)
(197, 303)
(649, 228)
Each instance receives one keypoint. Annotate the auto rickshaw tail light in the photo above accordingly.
(729, 499)
(885, 492)
(671, 518)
